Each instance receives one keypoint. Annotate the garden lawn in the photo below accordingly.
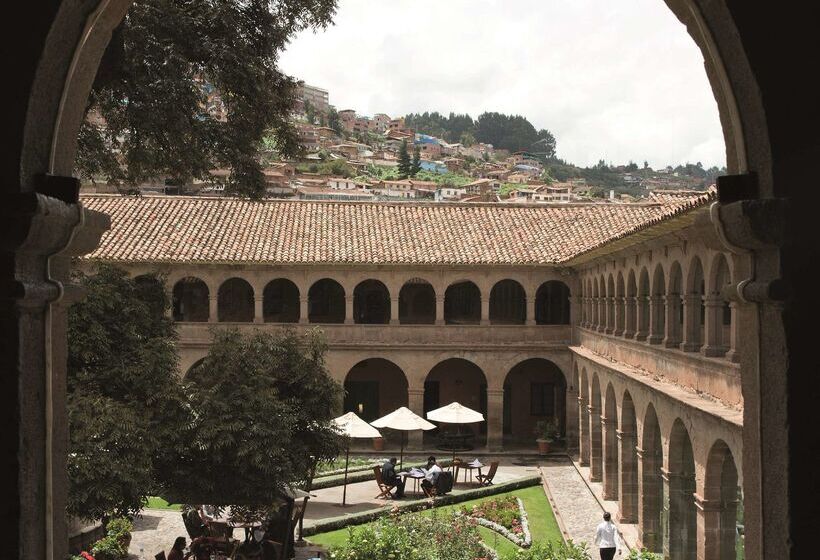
(155, 502)
(543, 525)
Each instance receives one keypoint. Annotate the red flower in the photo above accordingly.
(86, 555)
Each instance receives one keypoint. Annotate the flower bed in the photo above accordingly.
(505, 516)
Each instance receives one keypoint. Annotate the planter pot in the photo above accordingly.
(543, 446)
(378, 444)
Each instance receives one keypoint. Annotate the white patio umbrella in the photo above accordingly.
(405, 420)
(455, 413)
(351, 426)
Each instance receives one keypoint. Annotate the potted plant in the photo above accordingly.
(545, 432)
(378, 443)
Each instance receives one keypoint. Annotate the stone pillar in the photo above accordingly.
(213, 300)
(641, 326)
(585, 316)
(258, 309)
(620, 311)
(630, 323)
(656, 314)
(610, 315)
(596, 451)
(601, 326)
(691, 323)
(716, 529)
(394, 310)
(495, 419)
(415, 402)
(583, 432)
(348, 309)
(676, 500)
(304, 315)
(734, 354)
(610, 458)
(672, 309)
(713, 323)
(531, 309)
(439, 309)
(169, 312)
(485, 310)
(627, 477)
(649, 526)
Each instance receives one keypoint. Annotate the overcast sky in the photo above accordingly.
(617, 80)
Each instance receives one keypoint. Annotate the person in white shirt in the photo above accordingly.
(606, 538)
(430, 475)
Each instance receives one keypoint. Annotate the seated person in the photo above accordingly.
(431, 474)
(390, 477)
(202, 547)
(194, 524)
(178, 550)
(279, 526)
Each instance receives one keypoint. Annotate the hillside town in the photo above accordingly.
(348, 156)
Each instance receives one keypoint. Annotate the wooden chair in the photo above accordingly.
(487, 479)
(384, 489)
(159, 555)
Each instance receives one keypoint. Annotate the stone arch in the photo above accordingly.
(371, 303)
(534, 389)
(375, 387)
(192, 368)
(610, 442)
(583, 417)
(235, 302)
(190, 300)
(719, 320)
(462, 304)
(417, 302)
(280, 302)
(682, 514)
(672, 303)
(631, 305)
(694, 310)
(596, 454)
(657, 311)
(628, 490)
(508, 303)
(651, 483)
(326, 302)
(719, 504)
(643, 312)
(610, 304)
(552, 304)
(602, 316)
(620, 304)
(457, 379)
(596, 317)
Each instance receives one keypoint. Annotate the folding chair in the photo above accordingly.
(487, 479)
(384, 489)
(159, 555)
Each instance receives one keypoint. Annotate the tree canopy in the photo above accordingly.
(155, 106)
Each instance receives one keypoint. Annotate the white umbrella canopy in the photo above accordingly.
(455, 413)
(352, 426)
(405, 420)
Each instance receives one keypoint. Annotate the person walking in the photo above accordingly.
(606, 538)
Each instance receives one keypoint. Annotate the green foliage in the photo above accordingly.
(119, 526)
(552, 551)
(334, 122)
(412, 537)
(161, 69)
(261, 406)
(643, 554)
(125, 401)
(547, 429)
(405, 165)
(109, 548)
(415, 165)
(503, 511)
(334, 168)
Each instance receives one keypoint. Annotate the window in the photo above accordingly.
(541, 399)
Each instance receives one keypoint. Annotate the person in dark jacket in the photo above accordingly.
(392, 479)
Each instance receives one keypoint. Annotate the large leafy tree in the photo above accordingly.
(261, 406)
(167, 63)
(405, 166)
(125, 401)
(415, 165)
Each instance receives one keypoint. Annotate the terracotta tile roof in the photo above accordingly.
(201, 229)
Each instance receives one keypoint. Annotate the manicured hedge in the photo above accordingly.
(334, 523)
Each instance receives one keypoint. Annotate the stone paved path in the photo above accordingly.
(578, 508)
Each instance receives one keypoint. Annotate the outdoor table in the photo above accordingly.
(416, 476)
(468, 467)
(247, 525)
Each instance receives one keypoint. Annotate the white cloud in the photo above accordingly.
(612, 80)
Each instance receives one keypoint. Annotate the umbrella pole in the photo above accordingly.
(347, 459)
(401, 451)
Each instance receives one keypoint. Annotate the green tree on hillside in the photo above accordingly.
(168, 64)
(310, 112)
(415, 165)
(334, 122)
(405, 165)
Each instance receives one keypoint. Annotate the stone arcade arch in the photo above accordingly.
(456, 379)
(609, 423)
(650, 465)
(371, 303)
(462, 304)
(631, 305)
(326, 302)
(620, 305)
(552, 305)
(596, 454)
(280, 302)
(583, 417)
(508, 303)
(628, 488)
(717, 508)
(534, 390)
(657, 310)
(681, 515)
(718, 321)
(235, 302)
(375, 387)
(417, 303)
(672, 302)
(643, 311)
(190, 300)
(610, 304)
(693, 307)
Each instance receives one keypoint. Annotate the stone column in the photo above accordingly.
(676, 500)
(672, 309)
(583, 432)
(596, 451)
(610, 315)
(713, 323)
(691, 323)
(627, 477)
(213, 300)
(415, 402)
(531, 309)
(610, 459)
(485, 310)
(258, 309)
(630, 321)
(619, 316)
(394, 310)
(656, 314)
(716, 529)
(648, 524)
(348, 309)
(304, 315)
(495, 419)
(733, 354)
(641, 325)
(439, 309)
(601, 326)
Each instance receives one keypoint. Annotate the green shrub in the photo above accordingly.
(552, 551)
(109, 548)
(643, 555)
(119, 526)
